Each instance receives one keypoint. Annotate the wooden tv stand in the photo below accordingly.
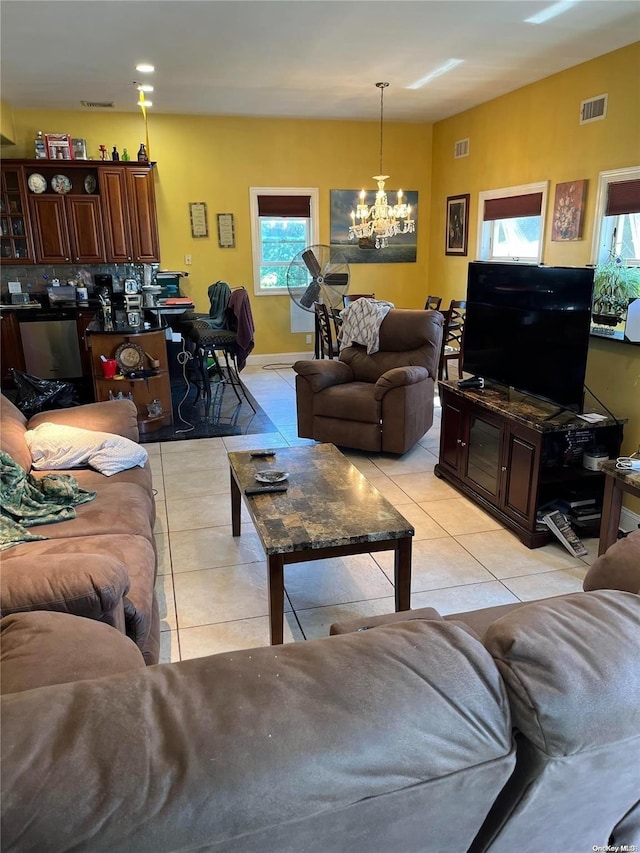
(511, 454)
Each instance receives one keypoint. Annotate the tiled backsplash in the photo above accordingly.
(34, 279)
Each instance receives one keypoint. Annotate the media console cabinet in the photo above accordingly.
(512, 454)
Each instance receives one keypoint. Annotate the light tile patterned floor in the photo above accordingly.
(212, 587)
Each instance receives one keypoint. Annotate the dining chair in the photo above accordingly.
(348, 298)
(326, 332)
(433, 303)
(452, 338)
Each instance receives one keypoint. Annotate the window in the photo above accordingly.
(617, 223)
(283, 223)
(511, 223)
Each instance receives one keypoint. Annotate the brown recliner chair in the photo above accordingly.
(377, 402)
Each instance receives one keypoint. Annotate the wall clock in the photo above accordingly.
(130, 357)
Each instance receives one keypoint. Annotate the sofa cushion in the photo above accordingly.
(571, 666)
(135, 553)
(14, 427)
(114, 416)
(57, 447)
(117, 508)
(355, 401)
(618, 567)
(83, 648)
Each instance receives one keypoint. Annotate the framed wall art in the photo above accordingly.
(226, 231)
(199, 220)
(568, 211)
(58, 146)
(457, 234)
(402, 248)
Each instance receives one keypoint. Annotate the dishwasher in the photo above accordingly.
(50, 344)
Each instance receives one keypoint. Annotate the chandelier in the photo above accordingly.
(382, 220)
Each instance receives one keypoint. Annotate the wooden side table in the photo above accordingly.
(617, 482)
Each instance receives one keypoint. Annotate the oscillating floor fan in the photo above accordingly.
(318, 274)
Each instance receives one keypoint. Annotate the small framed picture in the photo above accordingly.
(568, 211)
(58, 146)
(199, 219)
(457, 235)
(226, 231)
(79, 148)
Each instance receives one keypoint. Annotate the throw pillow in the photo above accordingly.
(54, 446)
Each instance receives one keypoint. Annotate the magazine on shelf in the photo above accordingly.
(559, 525)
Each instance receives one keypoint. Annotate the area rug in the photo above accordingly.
(226, 416)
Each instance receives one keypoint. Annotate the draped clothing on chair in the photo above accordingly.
(240, 307)
(219, 294)
(360, 323)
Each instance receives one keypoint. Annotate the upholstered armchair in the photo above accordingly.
(377, 402)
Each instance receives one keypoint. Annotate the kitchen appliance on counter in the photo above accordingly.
(61, 295)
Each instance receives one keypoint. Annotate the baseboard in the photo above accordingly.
(629, 520)
(282, 359)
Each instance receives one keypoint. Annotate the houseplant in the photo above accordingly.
(614, 285)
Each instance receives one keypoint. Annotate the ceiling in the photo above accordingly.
(295, 58)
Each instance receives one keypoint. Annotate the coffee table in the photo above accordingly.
(329, 510)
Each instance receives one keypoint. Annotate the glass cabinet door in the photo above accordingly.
(15, 240)
(483, 454)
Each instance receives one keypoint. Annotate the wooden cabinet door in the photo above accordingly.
(143, 217)
(11, 354)
(85, 228)
(83, 318)
(50, 229)
(520, 470)
(15, 226)
(115, 214)
(451, 434)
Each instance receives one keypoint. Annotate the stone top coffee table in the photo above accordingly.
(328, 510)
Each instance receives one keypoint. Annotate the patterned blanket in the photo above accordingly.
(361, 323)
(26, 501)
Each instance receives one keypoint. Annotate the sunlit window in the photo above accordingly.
(511, 223)
(283, 224)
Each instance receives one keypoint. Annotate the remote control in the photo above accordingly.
(262, 454)
(477, 382)
(264, 490)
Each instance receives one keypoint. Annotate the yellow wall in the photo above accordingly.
(7, 131)
(217, 159)
(530, 135)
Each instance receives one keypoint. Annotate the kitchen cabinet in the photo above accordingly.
(11, 354)
(144, 389)
(504, 451)
(15, 227)
(108, 214)
(67, 229)
(129, 207)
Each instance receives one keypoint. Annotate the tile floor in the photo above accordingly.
(212, 587)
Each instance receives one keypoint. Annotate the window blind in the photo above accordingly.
(512, 207)
(623, 197)
(284, 205)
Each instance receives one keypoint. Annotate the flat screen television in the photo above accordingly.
(527, 327)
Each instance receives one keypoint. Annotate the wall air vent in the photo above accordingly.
(461, 149)
(593, 109)
(98, 105)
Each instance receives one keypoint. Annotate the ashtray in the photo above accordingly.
(271, 476)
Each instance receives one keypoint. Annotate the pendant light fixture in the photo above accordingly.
(381, 220)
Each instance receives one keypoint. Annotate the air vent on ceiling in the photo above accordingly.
(461, 149)
(98, 105)
(593, 109)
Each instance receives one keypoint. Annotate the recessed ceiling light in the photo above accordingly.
(551, 12)
(448, 65)
(145, 103)
(144, 68)
(145, 87)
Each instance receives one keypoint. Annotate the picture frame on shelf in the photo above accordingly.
(58, 146)
(457, 233)
(79, 148)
